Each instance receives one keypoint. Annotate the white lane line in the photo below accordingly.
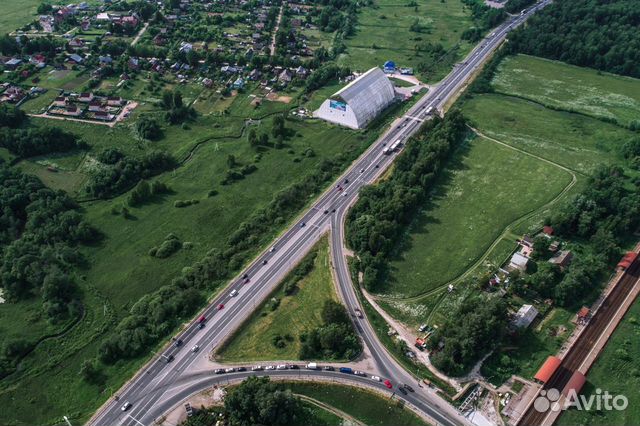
(135, 420)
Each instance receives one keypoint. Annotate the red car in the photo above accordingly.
(388, 384)
(220, 306)
(202, 319)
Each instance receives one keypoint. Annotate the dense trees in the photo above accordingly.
(323, 75)
(37, 140)
(10, 116)
(591, 33)
(335, 339)
(475, 328)
(148, 128)
(375, 223)
(177, 111)
(120, 172)
(258, 401)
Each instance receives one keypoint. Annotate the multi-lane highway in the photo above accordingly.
(177, 372)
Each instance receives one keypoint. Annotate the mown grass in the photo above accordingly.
(615, 371)
(314, 415)
(575, 141)
(383, 33)
(484, 188)
(16, 13)
(568, 87)
(366, 406)
(296, 314)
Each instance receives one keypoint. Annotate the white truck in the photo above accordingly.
(312, 366)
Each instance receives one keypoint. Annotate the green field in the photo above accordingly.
(485, 187)
(575, 141)
(615, 371)
(383, 33)
(368, 407)
(315, 415)
(297, 314)
(570, 88)
(16, 13)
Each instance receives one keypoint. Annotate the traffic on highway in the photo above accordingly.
(183, 367)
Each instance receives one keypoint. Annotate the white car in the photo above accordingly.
(234, 293)
(229, 370)
(272, 249)
(281, 367)
(270, 367)
(376, 378)
(257, 368)
(195, 349)
(126, 406)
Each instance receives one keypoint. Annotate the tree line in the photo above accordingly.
(334, 339)
(376, 222)
(590, 33)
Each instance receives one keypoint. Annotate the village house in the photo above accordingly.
(114, 101)
(73, 111)
(95, 106)
(563, 258)
(85, 97)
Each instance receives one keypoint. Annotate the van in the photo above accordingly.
(312, 366)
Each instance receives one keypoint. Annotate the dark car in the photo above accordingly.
(201, 325)
(264, 262)
(328, 368)
(178, 343)
(294, 367)
(241, 369)
(333, 210)
(346, 181)
(401, 389)
(245, 276)
(409, 388)
(377, 166)
(326, 212)
(219, 371)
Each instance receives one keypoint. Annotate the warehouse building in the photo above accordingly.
(359, 102)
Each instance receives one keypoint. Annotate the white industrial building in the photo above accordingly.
(360, 101)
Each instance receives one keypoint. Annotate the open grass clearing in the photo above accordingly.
(296, 314)
(577, 142)
(571, 88)
(484, 188)
(366, 406)
(383, 33)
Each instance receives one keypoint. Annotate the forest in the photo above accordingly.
(590, 33)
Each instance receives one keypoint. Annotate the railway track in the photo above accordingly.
(575, 357)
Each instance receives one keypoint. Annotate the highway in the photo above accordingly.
(160, 383)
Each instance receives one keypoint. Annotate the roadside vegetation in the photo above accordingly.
(300, 320)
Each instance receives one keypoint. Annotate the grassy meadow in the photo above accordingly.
(485, 187)
(383, 33)
(559, 85)
(296, 314)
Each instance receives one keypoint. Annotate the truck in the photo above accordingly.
(312, 366)
(346, 370)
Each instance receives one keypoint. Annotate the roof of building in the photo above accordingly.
(583, 312)
(367, 95)
(547, 230)
(627, 260)
(575, 383)
(525, 316)
(519, 259)
(548, 368)
(562, 258)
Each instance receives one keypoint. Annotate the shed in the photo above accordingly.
(525, 316)
(548, 368)
(519, 261)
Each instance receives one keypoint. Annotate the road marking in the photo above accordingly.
(135, 420)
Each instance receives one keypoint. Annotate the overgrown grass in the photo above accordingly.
(295, 314)
(568, 87)
(484, 188)
(366, 406)
(383, 33)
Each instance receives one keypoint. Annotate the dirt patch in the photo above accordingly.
(274, 97)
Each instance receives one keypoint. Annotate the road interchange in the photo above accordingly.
(160, 385)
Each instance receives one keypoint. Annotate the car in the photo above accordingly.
(201, 325)
(328, 368)
(359, 373)
(168, 358)
(195, 349)
(177, 343)
(247, 281)
(326, 212)
(361, 170)
(333, 210)
(126, 406)
(241, 369)
(346, 181)
(245, 276)
(339, 188)
(294, 367)
(345, 194)
(202, 318)
(377, 166)
(409, 388)
(272, 249)
(302, 225)
(234, 293)
(401, 389)
(376, 378)
(257, 368)
(221, 306)
(229, 370)
(264, 262)
(388, 384)
(219, 371)
(270, 367)
(281, 367)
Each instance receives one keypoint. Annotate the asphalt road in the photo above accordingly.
(160, 384)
